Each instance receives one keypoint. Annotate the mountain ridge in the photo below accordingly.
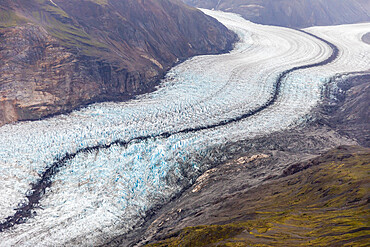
(80, 52)
(295, 14)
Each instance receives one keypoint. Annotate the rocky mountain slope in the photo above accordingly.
(297, 13)
(321, 202)
(315, 201)
(61, 54)
(289, 188)
(349, 116)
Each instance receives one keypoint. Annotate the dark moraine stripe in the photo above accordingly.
(23, 212)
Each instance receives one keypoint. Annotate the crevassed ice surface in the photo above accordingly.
(102, 194)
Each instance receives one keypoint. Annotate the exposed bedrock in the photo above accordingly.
(349, 114)
(57, 56)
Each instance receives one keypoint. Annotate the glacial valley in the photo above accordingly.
(89, 176)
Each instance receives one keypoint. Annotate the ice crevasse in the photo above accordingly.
(98, 195)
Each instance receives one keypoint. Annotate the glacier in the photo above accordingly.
(105, 192)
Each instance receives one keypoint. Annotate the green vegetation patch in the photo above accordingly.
(201, 235)
(10, 19)
(325, 205)
(100, 2)
(73, 37)
(60, 25)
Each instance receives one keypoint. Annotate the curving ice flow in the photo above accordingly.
(99, 194)
(354, 54)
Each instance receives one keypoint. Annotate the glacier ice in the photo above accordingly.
(101, 194)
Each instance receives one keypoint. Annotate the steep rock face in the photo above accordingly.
(350, 115)
(293, 13)
(58, 55)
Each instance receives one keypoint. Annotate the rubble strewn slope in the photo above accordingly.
(322, 202)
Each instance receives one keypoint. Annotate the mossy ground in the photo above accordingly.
(325, 205)
(100, 2)
(9, 18)
(59, 25)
